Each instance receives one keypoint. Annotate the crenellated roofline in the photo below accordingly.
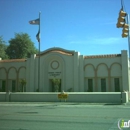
(102, 56)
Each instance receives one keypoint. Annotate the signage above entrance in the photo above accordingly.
(54, 74)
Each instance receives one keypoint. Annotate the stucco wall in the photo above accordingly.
(95, 97)
(97, 68)
(74, 71)
(2, 96)
(12, 70)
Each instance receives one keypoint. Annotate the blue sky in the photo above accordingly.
(87, 26)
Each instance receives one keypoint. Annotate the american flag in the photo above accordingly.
(38, 36)
(35, 22)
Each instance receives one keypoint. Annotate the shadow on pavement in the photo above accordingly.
(113, 104)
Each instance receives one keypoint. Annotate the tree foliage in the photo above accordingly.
(20, 47)
(3, 48)
(23, 83)
(56, 83)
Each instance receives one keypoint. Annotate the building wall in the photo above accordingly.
(98, 68)
(59, 66)
(93, 97)
(74, 71)
(12, 71)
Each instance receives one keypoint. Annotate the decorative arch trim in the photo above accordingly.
(12, 68)
(101, 64)
(57, 50)
(54, 55)
(88, 65)
(4, 69)
(115, 64)
(21, 68)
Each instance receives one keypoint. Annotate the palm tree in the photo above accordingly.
(56, 83)
(23, 84)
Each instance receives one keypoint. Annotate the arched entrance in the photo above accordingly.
(54, 68)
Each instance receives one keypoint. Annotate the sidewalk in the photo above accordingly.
(58, 103)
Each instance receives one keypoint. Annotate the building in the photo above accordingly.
(76, 73)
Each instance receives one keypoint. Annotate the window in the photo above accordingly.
(103, 85)
(13, 85)
(90, 85)
(3, 85)
(117, 84)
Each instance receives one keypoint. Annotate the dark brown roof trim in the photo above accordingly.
(14, 60)
(102, 56)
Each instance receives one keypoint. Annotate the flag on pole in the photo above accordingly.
(38, 36)
(35, 22)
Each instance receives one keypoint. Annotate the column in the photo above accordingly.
(81, 73)
(109, 80)
(76, 74)
(125, 71)
(32, 73)
(28, 74)
(96, 81)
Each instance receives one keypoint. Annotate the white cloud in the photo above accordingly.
(109, 40)
(77, 42)
(99, 41)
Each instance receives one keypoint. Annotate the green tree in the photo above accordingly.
(3, 48)
(21, 46)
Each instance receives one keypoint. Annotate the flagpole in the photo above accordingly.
(39, 56)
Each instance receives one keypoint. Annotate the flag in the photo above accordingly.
(38, 36)
(35, 22)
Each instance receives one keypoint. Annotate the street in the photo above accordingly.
(61, 116)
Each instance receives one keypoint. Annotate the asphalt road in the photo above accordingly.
(61, 116)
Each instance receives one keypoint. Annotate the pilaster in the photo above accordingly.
(125, 76)
(28, 75)
(31, 73)
(76, 74)
(81, 73)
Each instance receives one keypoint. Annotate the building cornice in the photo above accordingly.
(13, 60)
(102, 56)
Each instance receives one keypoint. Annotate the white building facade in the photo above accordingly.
(77, 73)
